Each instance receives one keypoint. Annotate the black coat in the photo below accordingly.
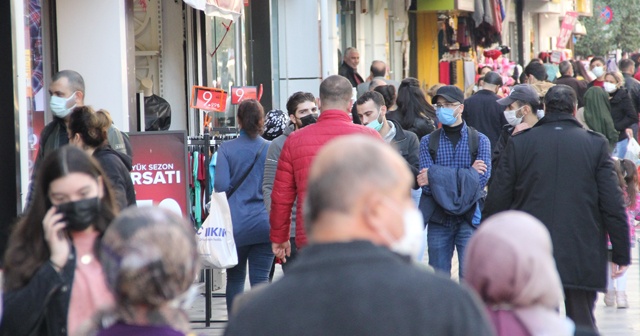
(117, 167)
(563, 175)
(633, 87)
(580, 87)
(358, 288)
(623, 113)
(407, 145)
(482, 112)
(42, 306)
(420, 127)
(350, 74)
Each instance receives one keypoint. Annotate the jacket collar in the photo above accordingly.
(557, 117)
(617, 96)
(334, 115)
(400, 135)
(289, 129)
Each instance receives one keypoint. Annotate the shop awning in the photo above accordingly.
(227, 9)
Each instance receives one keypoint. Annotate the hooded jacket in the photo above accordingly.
(117, 167)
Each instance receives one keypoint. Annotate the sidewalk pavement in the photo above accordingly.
(611, 321)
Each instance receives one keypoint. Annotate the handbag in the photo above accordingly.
(216, 245)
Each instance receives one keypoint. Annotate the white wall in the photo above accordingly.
(92, 41)
(299, 46)
(173, 62)
(372, 31)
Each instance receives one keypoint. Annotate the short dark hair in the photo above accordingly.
(598, 58)
(377, 98)
(625, 64)
(378, 69)
(564, 67)
(335, 89)
(297, 99)
(388, 92)
(76, 82)
(537, 70)
(560, 99)
(251, 116)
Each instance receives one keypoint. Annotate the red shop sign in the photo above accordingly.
(160, 170)
(208, 99)
(240, 93)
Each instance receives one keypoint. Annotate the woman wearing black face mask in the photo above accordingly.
(53, 280)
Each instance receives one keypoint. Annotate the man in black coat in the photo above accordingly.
(349, 281)
(563, 175)
(482, 112)
(566, 78)
(349, 67)
(627, 67)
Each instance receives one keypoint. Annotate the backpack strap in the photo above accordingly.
(434, 143)
(474, 140)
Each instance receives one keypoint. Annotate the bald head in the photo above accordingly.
(335, 94)
(375, 83)
(350, 169)
(378, 69)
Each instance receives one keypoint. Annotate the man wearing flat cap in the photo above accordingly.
(482, 112)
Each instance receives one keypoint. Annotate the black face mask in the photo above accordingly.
(309, 119)
(81, 214)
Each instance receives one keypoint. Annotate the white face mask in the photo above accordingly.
(598, 71)
(410, 243)
(540, 114)
(610, 87)
(59, 107)
(511, 116)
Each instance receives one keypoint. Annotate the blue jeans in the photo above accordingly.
(260, 257)
(441, 240)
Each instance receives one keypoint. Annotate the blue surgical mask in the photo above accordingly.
(446, 115)
(58, 105)
(376, 124)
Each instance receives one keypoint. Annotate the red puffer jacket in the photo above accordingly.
(295, 161)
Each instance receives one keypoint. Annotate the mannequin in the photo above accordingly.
(146, 85)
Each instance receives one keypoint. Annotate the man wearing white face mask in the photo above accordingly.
(67, 92)
(598, 71)
(349, 281)
(523, 110)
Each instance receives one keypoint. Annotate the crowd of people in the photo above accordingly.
(347, 191)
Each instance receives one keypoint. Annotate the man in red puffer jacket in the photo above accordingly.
(297, 155)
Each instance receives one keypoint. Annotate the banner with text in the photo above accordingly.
(566, 29)
(160, 170)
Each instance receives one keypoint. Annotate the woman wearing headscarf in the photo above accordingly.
(509, 262)
(150, 260)
(596, 115)
(275, 121)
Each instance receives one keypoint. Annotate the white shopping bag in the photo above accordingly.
(216, 246)
(633, 151)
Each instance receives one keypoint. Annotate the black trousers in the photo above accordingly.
(579, 305)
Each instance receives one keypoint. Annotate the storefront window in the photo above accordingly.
(34, 72)
(223, 69)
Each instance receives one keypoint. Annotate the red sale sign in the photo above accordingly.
(241, 93)
(160, 170)
(209, 99)
(566, 29)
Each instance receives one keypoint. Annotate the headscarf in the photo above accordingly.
(509, 262)
(149, 259)
(597, 114)
(274, 124)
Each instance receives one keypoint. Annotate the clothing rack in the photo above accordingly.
(220, 134)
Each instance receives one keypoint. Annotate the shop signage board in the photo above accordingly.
(240, 93)
(208, 99)
(566, 29)
(442, 5)
(160, 170)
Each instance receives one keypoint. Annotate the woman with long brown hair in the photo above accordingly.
(53, 281)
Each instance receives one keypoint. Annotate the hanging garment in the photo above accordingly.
(469, 74)
(445, 72)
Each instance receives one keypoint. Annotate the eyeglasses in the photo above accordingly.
(447, 105)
